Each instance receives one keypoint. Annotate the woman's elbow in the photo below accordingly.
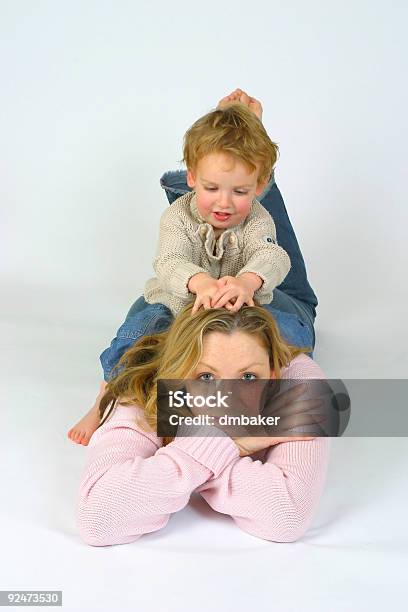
(290, 535)
(98, 533)
(97, 530)
(93, 538)
(283, 532)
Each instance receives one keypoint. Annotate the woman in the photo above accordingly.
(134, 480)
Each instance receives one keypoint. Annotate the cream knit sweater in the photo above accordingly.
(187, 246)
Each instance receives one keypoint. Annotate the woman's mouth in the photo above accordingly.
(221, 216)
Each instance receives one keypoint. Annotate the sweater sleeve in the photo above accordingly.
(275, 500)
(172, 264)
(131, 483)
(261, 253)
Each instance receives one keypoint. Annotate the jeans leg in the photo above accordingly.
(296, 285)
(142, 319)
(137, 306)
(174, 183)
(294, 320)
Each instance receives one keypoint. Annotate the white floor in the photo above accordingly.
(353, 558)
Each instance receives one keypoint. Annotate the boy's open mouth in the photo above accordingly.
(221, 216)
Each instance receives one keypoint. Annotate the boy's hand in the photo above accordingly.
(204, 286)
(238, 289)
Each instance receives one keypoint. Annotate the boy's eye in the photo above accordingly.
(215, 189)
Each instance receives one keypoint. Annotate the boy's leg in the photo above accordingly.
(295, 285)
(294, 327)
(137, 306)
(174, 183)
(83, 430)
(142, 319)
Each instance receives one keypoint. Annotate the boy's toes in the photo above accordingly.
(72, 434)
(78, 435)
(244, 98)
(75, 435)
(225, 101)
(230, 99)
(86, 436)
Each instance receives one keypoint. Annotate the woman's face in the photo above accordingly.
(236, 355)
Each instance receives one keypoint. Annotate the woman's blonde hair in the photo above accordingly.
(176, 352)
(234, 130)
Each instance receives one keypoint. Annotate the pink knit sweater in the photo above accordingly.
(132, 483)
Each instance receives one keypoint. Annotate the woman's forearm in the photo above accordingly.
(131, 485)
(275, 500)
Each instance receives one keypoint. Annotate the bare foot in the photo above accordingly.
(232, 98)
(81, 432)
(241, 96)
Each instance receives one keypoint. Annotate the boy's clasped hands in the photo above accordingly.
(229, 292)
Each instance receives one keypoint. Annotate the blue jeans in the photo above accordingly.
(294, 301)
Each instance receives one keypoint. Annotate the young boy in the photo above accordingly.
(217, 243)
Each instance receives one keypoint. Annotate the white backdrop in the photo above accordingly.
(95, 99)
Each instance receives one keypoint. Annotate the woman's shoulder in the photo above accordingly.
(129, 417)
(126, 412)
(302, 366)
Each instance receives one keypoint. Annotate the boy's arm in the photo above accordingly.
(262, 255)
(172, 264)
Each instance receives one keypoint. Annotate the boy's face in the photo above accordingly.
(224, 192)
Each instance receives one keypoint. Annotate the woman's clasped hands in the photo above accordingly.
(294, 413)
(289, 409)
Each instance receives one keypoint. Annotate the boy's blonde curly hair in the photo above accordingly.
(234, 130)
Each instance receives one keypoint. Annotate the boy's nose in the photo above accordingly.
(224, 202)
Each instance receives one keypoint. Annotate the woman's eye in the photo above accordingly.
(208, 376)
(249, 374)
(204, 376)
